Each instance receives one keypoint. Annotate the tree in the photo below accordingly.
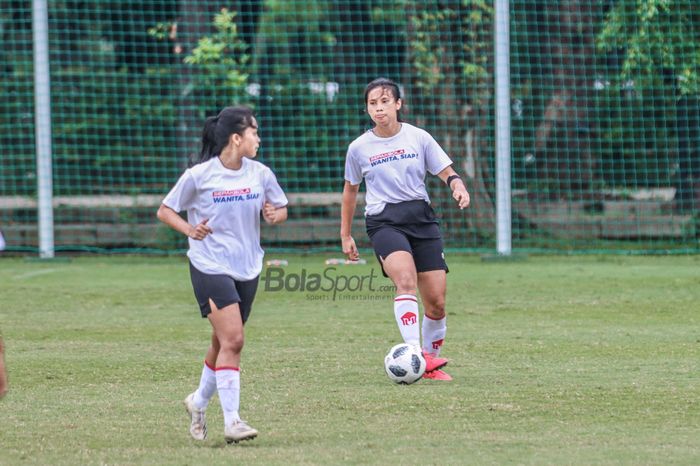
(450, 50)
(657, 37)
(562, 145)
(222, 62)
(212, 58)
(659, 41)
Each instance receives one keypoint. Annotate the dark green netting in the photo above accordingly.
(605, 113)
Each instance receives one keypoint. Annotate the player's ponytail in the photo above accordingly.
(208, 142)
(218, 129)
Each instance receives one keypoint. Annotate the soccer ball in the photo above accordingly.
(404, 363)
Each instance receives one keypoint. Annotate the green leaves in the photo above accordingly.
(656, 36)
(222, 57)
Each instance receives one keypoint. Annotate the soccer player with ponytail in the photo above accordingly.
(224, 193)
(393, 158)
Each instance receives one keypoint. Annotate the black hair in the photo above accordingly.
(218, 129)
(386, 84)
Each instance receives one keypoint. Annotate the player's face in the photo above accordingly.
(250, 141)
(382, 107)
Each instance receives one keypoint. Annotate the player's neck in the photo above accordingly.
(387, 131)
(231, 161)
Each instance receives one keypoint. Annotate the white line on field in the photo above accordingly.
(35, 273)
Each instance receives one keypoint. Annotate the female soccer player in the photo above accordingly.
(224, 191)
(393, 158)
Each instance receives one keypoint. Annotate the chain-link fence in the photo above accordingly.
(605, 113)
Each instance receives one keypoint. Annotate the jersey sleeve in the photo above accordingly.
(183, 194)
(436, 159)
(353, 172)
(273, 191)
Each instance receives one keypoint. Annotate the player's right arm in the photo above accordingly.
(181, 197)
(347, 212)
(173, 220)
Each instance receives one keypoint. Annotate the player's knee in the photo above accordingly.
(405, 282)
(435, 308)
(232, 344)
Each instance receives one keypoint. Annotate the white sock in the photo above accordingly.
(228, 384)
(207, 387)
(433, 334)
(406, 313)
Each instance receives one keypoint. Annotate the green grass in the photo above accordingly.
(556, 360)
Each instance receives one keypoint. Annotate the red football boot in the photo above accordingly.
(433, 363)
(437, 375)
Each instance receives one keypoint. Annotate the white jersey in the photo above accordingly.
(232, 201)
(394, 168)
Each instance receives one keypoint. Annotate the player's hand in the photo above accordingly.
(349, 248)
(461, 195)
(200, 231)
(269, 213)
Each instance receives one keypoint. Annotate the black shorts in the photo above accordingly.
(409, 226)
(223, 291)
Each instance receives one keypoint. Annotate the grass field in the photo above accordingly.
(556, 360)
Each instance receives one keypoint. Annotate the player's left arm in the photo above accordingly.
(455, 183)
(273, 215)
(275, 204)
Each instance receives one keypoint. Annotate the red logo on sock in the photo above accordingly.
(438, 343)
(408, 318)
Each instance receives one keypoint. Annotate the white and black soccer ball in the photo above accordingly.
(404, 363)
